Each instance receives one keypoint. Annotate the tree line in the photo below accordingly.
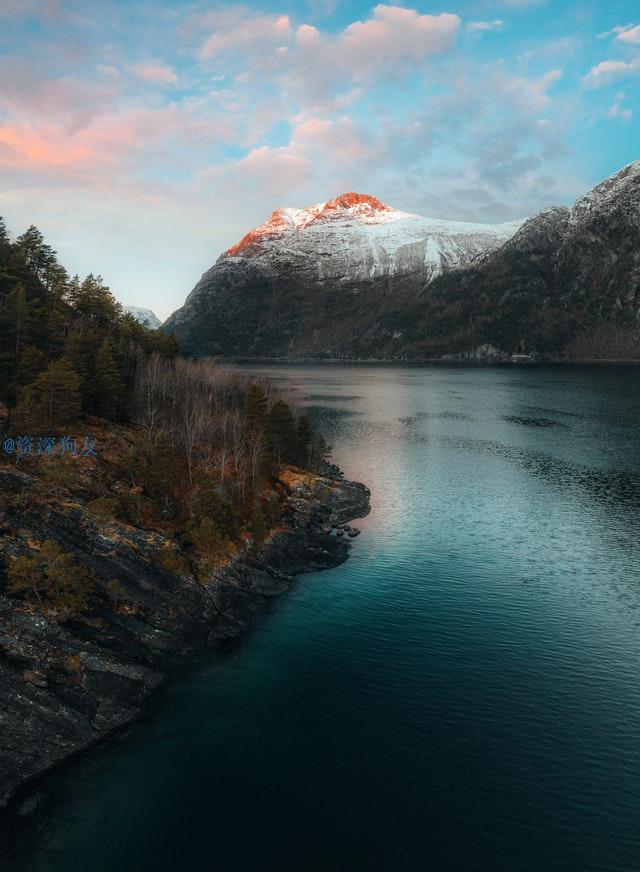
(206, 445)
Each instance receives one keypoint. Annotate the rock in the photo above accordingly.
(64, 687)
(30, 805)
(353, 531)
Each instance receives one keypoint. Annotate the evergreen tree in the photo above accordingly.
(281, 433)
(257, 526)
(37, 256)
(208, 541)
(272, 511)
(109, 385)
(305, 441)
(255, 418)
(32, 362)
(320, 449)
(52, 576)
(94, 301)
(161, 474)
(52, 400)
(210, 503)
(82, 351)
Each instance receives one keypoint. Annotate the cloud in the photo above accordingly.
(617, 111)
(396, 35)
(610, 71)
(155, 73)
(234, 31)
(628, 34)
(394, 41)
(480, 26)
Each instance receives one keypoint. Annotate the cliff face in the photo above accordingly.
(565, 282)
(313, 280)
(64, 686)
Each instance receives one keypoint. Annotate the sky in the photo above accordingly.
(145, 138)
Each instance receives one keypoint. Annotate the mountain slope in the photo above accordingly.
(315, 280)
(568, 282)
(144, 316)
(354, 278)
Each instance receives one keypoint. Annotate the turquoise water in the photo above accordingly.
(462, 694)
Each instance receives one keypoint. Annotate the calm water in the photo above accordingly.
(463, 694)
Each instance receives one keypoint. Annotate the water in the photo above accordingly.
(463, 694)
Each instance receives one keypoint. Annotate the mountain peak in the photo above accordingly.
(351, 199)
(289, 222)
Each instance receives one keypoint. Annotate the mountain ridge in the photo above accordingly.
(355, 278)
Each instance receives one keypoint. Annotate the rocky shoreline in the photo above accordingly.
(65, 687)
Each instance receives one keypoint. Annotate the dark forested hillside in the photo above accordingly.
(54, 327)
(99, 404)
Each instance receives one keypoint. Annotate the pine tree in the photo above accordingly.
(257, 526)
(161, 474)
(281, 433)
(32, 362)
(52, 400)
(320, 450)
(59, 584)
(109, 385)
(82, 350)
(272, 511)
(210, 503)
(305, 440)
(94, 301)
(255, 409)
(208, 541)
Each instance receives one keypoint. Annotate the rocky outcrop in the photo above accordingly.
(65, 686)
(313, 281)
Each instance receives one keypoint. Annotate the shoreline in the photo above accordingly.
(552, 361)
(46, 723)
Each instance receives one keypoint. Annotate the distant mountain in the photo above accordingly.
(354, 278)
(566, 284)
(307, 281)
(144, 316)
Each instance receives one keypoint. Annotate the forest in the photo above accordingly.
(95, 403)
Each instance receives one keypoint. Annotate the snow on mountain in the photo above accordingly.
(144, 316)
(358, 236)
(313, 280)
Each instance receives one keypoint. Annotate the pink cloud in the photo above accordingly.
(112, 142)
(341, 141)
(244, 33)
(630, 34)
(394, 41)
(611, 71)
(155, 74)
(395, 35)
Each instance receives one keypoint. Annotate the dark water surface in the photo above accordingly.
(463, 694)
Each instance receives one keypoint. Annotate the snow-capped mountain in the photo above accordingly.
(305, 267)
(356, 237)
(355, 278)
(144, 316)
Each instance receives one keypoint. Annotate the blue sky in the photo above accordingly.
(144, 139)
